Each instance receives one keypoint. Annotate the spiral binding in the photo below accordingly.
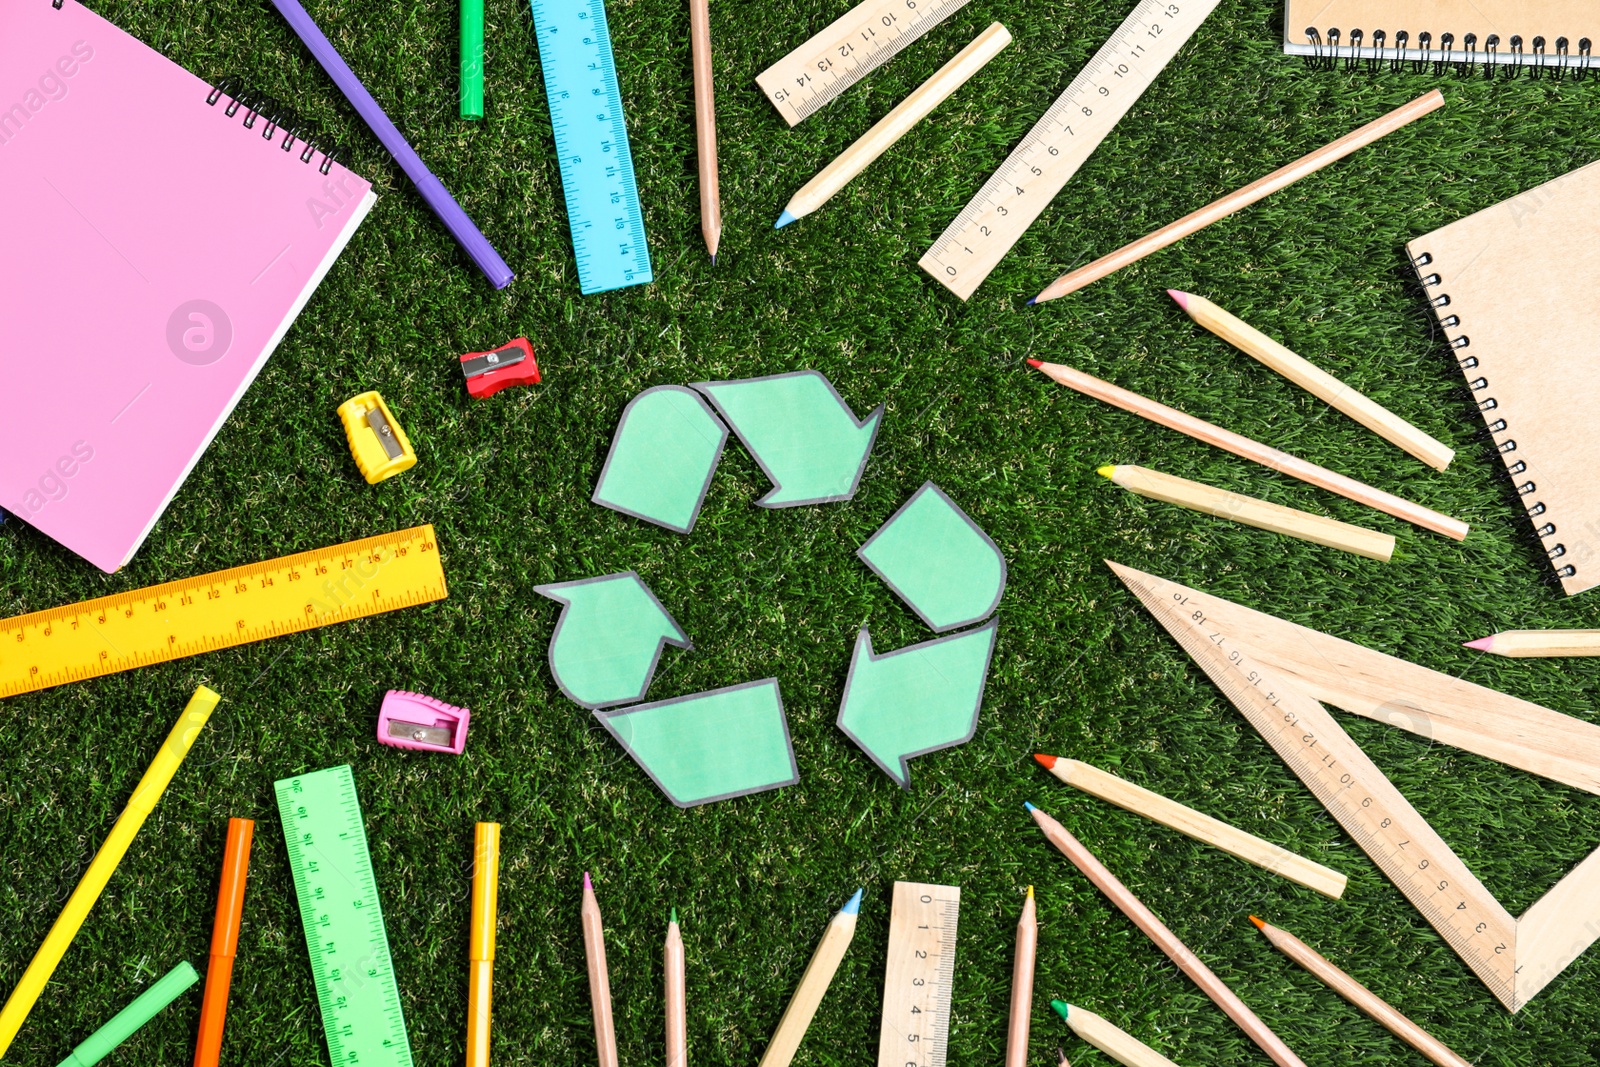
(1495, 426)
(1533, 58)
(279, 118)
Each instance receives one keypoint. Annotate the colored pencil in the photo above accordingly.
(1359, 995)
(813, 984)
(1022, 960)
(705, 125)
(594, 947)
(140, 805)
(224, 941)
(127, 1022)
(1263, 187)
(1166, 941)
(1240, 445)
(1124, 794)
(677, 1009)
(1109, 1038)
(472, 59)
(1528, 644)
(1314, 380)
(1262, 514)
(896, 124)
(480, 946)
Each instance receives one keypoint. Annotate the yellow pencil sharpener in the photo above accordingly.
(379, 445)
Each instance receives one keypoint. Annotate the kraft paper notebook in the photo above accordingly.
(1507, 33)
(1514, 287)
(160, 238)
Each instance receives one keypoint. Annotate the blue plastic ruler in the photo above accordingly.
(343, 920)
(580, 80)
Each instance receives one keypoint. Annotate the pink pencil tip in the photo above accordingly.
(1482, 644)
(588, 886)
(1181, 297)
(1035, 363)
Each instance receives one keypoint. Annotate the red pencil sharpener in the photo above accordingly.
(489, 372)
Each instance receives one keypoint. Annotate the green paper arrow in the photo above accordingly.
(710, 746)
(662, 457)
(938, 561)
(801, 432)
(609, 638)
(917, 699)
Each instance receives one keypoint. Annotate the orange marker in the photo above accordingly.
(224, 941)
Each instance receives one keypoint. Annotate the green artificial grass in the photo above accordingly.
(1079, 669)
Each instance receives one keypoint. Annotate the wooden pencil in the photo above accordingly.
(1314, 380)
(594, 947)
(893, 126)
(1166, 941)
(1109, 1038)
(1022, 960)
(1359, 995)
(705, 125)
(1240, 445)
(1252, 512)
(1529, 644)
(1263, 187)
(813, 984)
(1124, 794)
(677, 1009)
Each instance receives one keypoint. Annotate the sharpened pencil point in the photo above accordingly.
(785, 219)
(1035, 363)
(713, 259)
(1045, 760)
(1107, 471)
(1030, 892)
(1259, 924)
(674, 916)
(1062, 1008)
(1061, 1057)
(1482, 644)
(588, 886)
(1181, 297)
(1029, 806)
(1031, 301)
(853, 905)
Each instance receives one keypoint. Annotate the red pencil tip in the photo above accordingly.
(1036, 363)
(1047, 761)
(1259, 924)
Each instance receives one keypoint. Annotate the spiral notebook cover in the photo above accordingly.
(1324, 27)
(1514, 290)
(157, 250)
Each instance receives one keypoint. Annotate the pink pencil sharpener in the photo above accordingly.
(412, 720)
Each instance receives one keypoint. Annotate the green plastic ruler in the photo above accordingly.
(343, 919)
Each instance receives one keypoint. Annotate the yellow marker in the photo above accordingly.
(140, 805)
(380, 446)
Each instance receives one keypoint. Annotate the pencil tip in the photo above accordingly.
(1108, 471)
(1046, 760)
(1029, 806)
(1032, 300)
(1180, 296)
(588, 886)
(1062, 1007)
(713, 259)
(853, 905)
(674, 916)
(1061, 1055)
(1036, 364)
(1030, 892)
(1482, 644)
(1259, 924)
(784, 219)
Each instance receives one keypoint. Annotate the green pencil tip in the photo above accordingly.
(1062, 1008)
(674, 915)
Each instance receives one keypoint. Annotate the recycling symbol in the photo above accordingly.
(733, 741)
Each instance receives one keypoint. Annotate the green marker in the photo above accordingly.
(123, 1025)
(472, 59)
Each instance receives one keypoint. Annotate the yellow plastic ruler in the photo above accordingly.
(853, 45)
(918, 980)
(1279, 675)
(1060, 142)
(231, 607)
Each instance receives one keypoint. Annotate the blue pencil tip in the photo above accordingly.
(1030, 807)
(1032, 300)
(785, 219)
(853, 905)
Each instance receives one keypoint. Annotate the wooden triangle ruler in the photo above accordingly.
(1280, 675)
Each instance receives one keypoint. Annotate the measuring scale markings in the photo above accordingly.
(1061, 142)
(920, 976)
(851, 47)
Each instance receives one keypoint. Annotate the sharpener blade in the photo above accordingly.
(425, 735)
(380, 426)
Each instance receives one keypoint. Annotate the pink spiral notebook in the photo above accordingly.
(160, 239)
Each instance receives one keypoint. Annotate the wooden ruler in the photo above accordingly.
(853, 46)
(580, 81)
(220, 610)
(1278, 675)
(921, 972)
(343, 920)
(1061, 142)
